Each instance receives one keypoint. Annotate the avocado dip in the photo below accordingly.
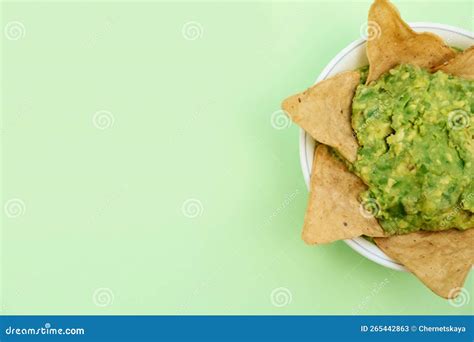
(416, 153)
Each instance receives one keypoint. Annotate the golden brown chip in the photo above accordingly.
(334, 211)
(441, 260)
(324, 111)
(392, 42)
(462, 65)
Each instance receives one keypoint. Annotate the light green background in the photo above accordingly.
(102, 229)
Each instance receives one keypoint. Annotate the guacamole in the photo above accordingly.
(416, 137)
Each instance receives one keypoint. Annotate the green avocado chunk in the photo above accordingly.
(416, 137)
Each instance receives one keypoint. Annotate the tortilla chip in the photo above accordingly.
(462, 65)
(441, 260)
(333, 211)
(393, 42)
(324, 111)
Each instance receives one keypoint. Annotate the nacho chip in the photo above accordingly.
(324, 111)
(441, 260)
(393, 42)
(462, 65)
(334, 211)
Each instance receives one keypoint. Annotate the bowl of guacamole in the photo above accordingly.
(424, 165)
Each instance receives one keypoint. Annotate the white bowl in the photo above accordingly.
(350, 58)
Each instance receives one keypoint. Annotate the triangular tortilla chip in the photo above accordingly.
(324, 111)
(334, 211)
(462, 65)
(441, 260)
(393, 42)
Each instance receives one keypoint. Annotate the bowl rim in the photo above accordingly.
(359, 244)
